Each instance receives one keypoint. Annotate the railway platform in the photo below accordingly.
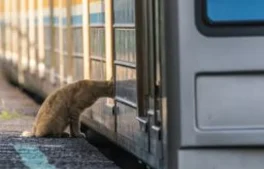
(17, 111)
(50, 153)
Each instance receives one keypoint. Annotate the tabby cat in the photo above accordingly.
(64, 107)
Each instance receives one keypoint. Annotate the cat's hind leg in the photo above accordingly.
(52, 135)
(50, 129)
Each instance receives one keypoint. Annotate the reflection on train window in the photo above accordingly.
(78, 64)
(47, 57)
(126, 125)
(36, 38)
(98, 70)
(47, 40)
(78, 53)
(125, 51)
(64, 39)
(77, 43)
(56, 34)
(66, 63)
(56, 50)
(97, 15)
(126, 83)
(57, 61)
(2, 36)
(233, 11)
(47, 35)
(125, 45)
(97, 42)
(124, 11)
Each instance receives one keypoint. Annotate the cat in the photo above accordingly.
(64, 107)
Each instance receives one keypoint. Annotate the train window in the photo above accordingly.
(124, 11)
(97, 12)
(234, 11)
(98, 69)
(125, 53)
(126, 83)
(97, 40)
(230, 17)
(125, 46)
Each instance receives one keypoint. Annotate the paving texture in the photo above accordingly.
(17, 112)
(46, 153)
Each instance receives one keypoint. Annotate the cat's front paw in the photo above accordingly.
(79, 135)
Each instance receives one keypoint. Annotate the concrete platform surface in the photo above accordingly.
(17, 110)
(50, 153)
(17, 113)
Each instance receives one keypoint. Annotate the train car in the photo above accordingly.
(48, 44)
(188, 73)
(214, 64)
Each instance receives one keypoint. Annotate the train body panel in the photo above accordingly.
(214, 94)
(211, 63)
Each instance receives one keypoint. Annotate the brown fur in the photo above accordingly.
(64, 107)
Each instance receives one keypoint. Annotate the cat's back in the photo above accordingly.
(64, 95)
(58, 98)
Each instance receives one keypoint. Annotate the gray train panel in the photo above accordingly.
(226, 102)
(217, 109)
(221, 159)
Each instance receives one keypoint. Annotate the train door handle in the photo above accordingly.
(156, 131)
(143, 123)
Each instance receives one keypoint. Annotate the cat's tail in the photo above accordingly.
(27, 134)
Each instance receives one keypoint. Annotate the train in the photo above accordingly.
(46, 44)
(188, 73)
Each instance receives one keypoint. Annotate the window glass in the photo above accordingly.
(125, 45)
(245, 11)
(98, 70)
(126, 86)
(124, 11)
(97, 12)
(78, 65)
(97, 42)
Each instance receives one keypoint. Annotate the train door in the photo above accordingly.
(155, 103)
(129, 93)
(149, 76)
(215, 64)
(136, 66)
